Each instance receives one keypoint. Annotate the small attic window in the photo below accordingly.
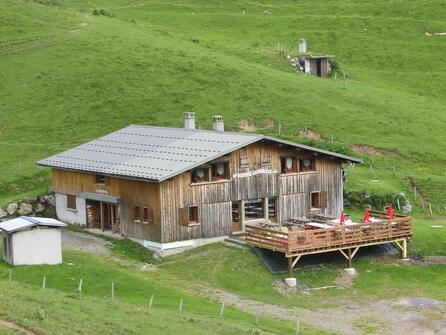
(100, 179)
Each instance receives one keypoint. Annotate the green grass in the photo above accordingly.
(132, 290)
(182, 276)
(78, 76)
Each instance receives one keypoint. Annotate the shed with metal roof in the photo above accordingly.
(32, 241)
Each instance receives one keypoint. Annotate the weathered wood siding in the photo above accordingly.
(214, 199)
(255, 180)
(131, 193)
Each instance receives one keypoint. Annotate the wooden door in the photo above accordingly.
(236, 217)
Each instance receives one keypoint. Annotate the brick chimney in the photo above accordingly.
(302, 46)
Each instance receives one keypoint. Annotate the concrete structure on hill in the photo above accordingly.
(32, 241)
(172, 186)
(314, 64)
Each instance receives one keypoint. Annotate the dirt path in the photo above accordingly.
(13, 326)
(406, 316)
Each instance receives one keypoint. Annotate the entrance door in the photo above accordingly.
(319, 68)
(236, 220)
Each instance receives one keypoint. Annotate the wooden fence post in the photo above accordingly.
(297, 327)
(430, 208)
(222, 309)
(257, 318)
(151, 301)
(44, 282)
(398, 203)
(180, 309)
(113, 291)
(79, 288)
(10, 276)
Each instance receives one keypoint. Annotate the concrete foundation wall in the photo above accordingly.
(37, 246)
(77, 216)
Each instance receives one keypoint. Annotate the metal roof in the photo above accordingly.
(157, 153)
(25, 222)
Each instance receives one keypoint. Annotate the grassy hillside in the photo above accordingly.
(77, 76)
(238, 272)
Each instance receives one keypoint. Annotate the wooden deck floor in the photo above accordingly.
(346, 239)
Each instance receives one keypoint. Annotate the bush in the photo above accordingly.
(102, 12)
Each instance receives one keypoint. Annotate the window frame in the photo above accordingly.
(294, 165)
(137, 213)
(194, 210)
(226, 171)
(318, 193)
(100, 179)
(312, 165)
(206, 176)
(265, 159)
(71, 199)
(244, 162)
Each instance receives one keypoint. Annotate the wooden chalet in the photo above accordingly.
(172, 186)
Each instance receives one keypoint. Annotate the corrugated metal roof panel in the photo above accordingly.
(25, 222)
(156, 153)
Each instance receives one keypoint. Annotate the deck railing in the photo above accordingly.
(334, 237)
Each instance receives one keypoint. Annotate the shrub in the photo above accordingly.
(102, 12)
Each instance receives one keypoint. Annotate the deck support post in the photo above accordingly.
(291, 264)
(403, 247)
(404, 253)
(349, 262)
(290, 267)
(349, 255)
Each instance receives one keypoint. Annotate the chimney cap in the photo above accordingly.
(189, 115)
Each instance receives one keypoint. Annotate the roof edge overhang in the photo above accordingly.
(98, 172)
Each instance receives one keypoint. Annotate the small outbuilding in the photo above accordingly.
(32, 241)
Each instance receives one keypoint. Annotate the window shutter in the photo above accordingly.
(324, 199)
(150, 216)
(183, 214)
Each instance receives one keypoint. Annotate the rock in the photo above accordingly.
(3, 214)
(30, 200)
(41, 199)
(51, 200)
(267, 12)
(39, 208)
(25, 209)
(350, 271)
(12, 208)
(291, 282)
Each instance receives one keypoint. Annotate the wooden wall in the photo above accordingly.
(214, 200)
(131, 193)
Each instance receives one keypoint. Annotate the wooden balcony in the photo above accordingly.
(344, 238)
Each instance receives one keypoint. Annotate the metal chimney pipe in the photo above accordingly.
(302, 46)
(189, 120)
(218, 124)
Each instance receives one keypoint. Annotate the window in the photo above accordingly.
(136, 214)
(265, 159)
(254, 209)
(71, 201)
(220, 171)
(244, 161)
(288, 165)
(315, 200)
(200, 175)
(147, 215)
(272, 209)
(193, 214)
(100, 179)
(306, 165)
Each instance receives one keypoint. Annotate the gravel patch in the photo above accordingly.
(85, 243)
